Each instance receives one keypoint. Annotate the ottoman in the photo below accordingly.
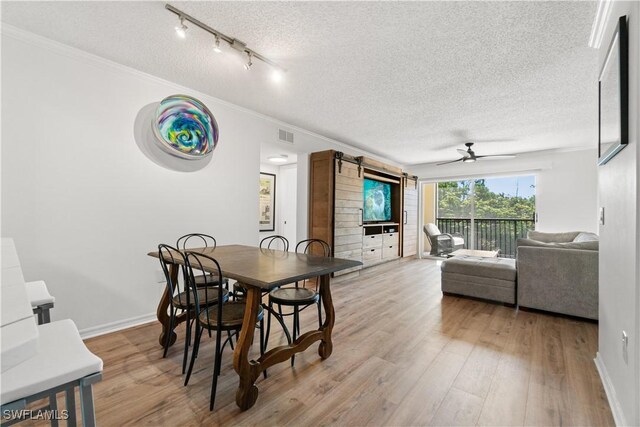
(487, 278)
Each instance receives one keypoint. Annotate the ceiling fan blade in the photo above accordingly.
(463, 152)
(497, 157)
(452, 161)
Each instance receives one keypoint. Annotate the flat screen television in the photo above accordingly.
(377, 201)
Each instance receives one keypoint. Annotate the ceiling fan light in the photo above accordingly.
(469, 159)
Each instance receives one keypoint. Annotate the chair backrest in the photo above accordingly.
(314, 247)
(431, 230)
(171, 256)
(275, 242)
(19, 330)
(15, 301)
(196, 240)
(200, 265)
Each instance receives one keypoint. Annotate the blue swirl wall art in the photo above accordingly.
(184, 127)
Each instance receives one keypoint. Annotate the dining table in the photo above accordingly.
(259, 270)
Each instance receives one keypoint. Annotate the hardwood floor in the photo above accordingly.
(403, 355)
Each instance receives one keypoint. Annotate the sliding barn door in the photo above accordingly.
(347, 234)
(410, 219)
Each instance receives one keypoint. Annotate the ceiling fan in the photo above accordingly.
(469, 156)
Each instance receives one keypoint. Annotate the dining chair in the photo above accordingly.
(181, 299)
(227, 316)
(274, 242)
(298, 297)
(199, 240)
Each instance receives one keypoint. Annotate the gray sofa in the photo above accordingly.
(558, 272)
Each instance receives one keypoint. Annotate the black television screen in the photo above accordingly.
(377, 201)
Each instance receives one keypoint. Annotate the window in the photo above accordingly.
(490, 213)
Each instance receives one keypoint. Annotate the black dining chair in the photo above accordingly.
(298, 297)
(274, 242)
(199, 240)
(220, 317)
(181, 297)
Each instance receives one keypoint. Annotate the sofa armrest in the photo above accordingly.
(559, 280)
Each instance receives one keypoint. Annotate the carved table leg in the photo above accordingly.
(248, 371)
(326, 345)
(165, 301)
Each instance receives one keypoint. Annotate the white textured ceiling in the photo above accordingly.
(410, 81)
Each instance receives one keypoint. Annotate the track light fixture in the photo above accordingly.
(181, 31)
(216, 46)
(248, 65)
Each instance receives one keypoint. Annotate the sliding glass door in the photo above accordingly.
(490, 213)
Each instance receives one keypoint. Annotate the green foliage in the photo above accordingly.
(454, 201)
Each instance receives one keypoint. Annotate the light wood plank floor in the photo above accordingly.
(403, 355)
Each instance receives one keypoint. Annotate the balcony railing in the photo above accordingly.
(489, 234)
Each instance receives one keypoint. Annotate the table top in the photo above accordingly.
(475, 252)
(267, 268)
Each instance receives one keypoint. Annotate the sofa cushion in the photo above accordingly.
(586, 245)
(586, 237)
(498, 268)
(552, 237)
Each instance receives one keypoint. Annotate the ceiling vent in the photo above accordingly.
(284, 136)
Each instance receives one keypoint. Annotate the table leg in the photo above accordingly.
(248, 371)
(165, 301)
(326, 345)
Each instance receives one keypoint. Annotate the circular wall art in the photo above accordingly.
(185, 127)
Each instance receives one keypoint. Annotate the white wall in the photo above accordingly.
(286, 204)
(619, 247)
(83, 203)
(566, 184)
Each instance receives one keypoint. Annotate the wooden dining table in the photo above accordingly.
(257, 270)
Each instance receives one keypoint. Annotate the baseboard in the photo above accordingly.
(616, 409)
(119, 325)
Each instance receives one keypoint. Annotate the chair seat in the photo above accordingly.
(293, 296)
(39, 294)
(211, 295)
(232, 315)
(211, 280)
(62, 357)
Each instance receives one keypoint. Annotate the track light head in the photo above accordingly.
(216, 46)
(181, 30)
(248, 65)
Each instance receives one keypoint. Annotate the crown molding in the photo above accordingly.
(600, 23)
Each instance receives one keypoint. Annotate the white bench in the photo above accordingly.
(40, 361)
(39, 297)
(62, 363)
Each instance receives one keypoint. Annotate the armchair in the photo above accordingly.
(442, 243)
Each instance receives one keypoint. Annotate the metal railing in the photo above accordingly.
(489, 234)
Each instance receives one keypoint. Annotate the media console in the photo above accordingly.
(336, 213)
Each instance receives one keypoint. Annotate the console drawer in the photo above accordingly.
(371, 254)
(372, 241)
(389, 251)
(390, 239)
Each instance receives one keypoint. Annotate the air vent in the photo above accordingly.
(285, 136)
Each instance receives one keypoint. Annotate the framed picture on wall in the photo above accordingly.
(613, 96)
(267, 201)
